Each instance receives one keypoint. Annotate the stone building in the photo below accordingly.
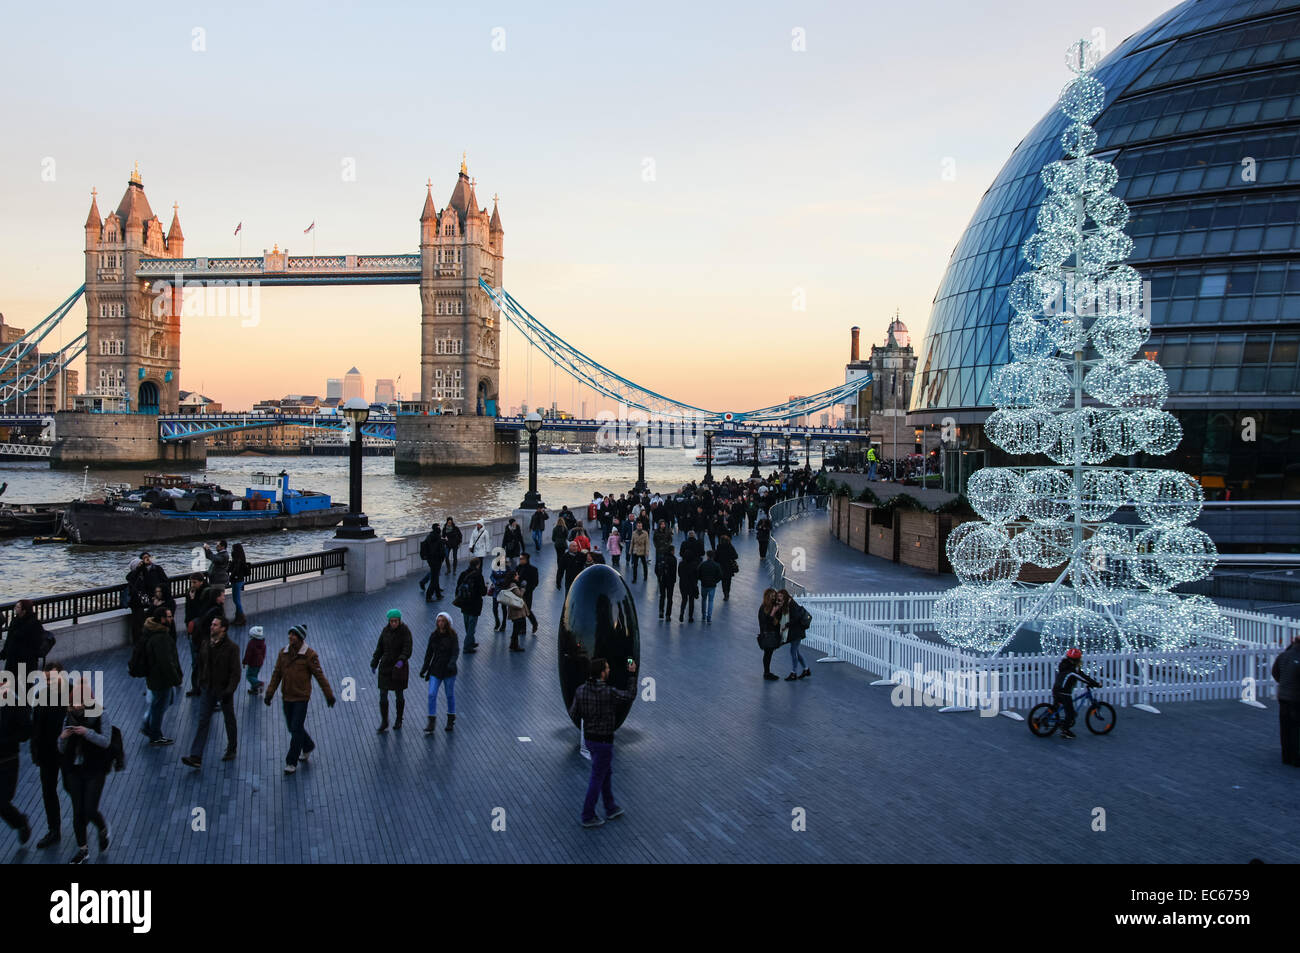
(48, 396)
(133, 330)
(459, 337)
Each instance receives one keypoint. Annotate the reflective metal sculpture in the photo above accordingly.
(598, 621)
(1080, 392)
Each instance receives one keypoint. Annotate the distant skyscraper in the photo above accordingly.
(385, 391)
(353, 385)
(334, 388)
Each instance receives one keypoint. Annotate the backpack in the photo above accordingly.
(464, 592)
(424, 549)
(138, 666)
(116, 751)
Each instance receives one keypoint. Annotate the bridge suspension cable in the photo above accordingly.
(589, 372)
(12, 355)
(50, 365)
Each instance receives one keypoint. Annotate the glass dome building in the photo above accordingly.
(1202, 121)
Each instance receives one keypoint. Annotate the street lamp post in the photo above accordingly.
(807, 451)
(708, 457)
(641, 429)
(785, 462)
(355, 525)
(754, 474)
(532, 499)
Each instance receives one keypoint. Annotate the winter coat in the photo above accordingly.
(614, 544)
(513, 541)
(23, 642)
(440, 656)
(218, 666)
(666, 568)
(47, 724)
(528, 576)
(254, 652)
(537, 521)
(692, 549)
(478, 589)
(15, 728)
(394, 645)
(513, 599)
(480, 542)
(452, 538)
(560, 534)
(688, 577)
(727, 555)
(90, 751)
(219, 571)
(239, 569)
(640, 543)
(435, 547)
(663, 538)
(164, 664)
(1286, 672)
(297, 671)
(710, 573)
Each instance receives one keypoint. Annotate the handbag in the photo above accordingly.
(47, 646)
(769, 640)
(400, 674)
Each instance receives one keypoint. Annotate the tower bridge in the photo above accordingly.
(136, 280)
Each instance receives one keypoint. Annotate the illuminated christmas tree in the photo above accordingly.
(1078, 392)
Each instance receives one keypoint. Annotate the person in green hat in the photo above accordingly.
(392, 659)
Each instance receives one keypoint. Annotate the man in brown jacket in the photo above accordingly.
(296, 666)
(219, 673)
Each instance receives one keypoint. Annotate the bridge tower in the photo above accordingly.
(460, 342)
(133, 330)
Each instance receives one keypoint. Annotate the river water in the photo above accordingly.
(396, 505)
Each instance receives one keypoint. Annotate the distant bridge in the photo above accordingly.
(41, 450)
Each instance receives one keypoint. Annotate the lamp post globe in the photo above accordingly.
(355, 525)
(532, 499)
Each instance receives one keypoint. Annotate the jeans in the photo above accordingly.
(450, 682)
(767, 661)
(300, 743)
(796, 659)
(614, 559)
(84, 789)
(207, 707)
(645, 568)
(1066, 700)
(726, 585)
(251, 674)
(706, 602)
(537, 540)
(237, 590)
(471, 623)
(687, 607)
(560, 550)
(158, 702)
(601, 782)
(871, 471)
(451, 562)
(195, 644)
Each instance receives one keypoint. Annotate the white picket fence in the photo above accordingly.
(881, 634)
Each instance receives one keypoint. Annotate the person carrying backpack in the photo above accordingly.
(432, 551)
(470, 590)
(84, 747)
(795, 620)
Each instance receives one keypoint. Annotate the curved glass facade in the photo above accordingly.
(1202, 121)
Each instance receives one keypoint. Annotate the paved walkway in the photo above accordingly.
(710, 771)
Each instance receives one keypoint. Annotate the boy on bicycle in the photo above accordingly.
(1062, 689)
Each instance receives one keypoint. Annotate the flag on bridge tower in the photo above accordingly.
(238, 227)
(309, 228)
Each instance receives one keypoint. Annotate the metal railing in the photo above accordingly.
(784, 512)
(74, 606)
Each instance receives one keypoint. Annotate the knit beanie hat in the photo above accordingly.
(394, 613)
(255, 632)
(442, 615)
(299, 630)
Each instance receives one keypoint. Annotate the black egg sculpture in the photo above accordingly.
(598, 621)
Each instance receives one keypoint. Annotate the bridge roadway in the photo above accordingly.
(710, 771)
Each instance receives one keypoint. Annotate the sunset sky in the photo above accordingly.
(672, 176)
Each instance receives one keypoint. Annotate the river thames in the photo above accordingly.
(396, 505)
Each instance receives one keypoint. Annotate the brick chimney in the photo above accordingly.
(853, 351)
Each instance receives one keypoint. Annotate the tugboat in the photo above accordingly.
(172, 506)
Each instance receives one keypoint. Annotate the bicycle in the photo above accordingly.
(1046, 718)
